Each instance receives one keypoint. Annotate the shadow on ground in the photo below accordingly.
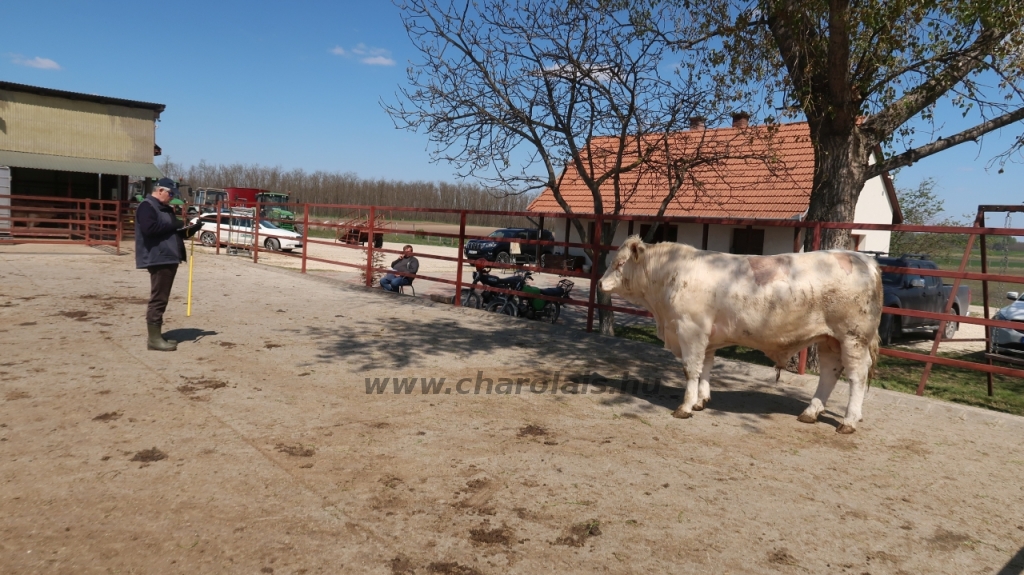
(402, 340)
(188, 334)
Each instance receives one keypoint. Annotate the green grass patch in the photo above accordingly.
(953, 384)
(957, 385)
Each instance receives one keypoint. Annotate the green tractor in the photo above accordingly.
(273, 208)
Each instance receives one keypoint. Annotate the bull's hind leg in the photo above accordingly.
(704, 387)
(857, 361)
(830, 364)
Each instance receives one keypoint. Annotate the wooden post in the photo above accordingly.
(704, 238)
(458, 273)
(369, 247)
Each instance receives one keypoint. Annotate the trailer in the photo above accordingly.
(355, 229)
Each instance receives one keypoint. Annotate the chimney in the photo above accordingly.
(740, 120)
(697, 123)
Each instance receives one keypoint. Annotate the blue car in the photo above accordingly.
(499, 249)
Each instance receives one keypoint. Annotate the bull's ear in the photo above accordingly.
(636, 248)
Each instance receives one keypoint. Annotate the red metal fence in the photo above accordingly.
(45, 220)
(95, 222)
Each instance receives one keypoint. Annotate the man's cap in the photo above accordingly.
(169, 184)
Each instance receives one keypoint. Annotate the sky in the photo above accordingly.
(299, 85)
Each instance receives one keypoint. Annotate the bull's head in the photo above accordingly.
(628, 261)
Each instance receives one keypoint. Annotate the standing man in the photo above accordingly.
(159, 248)
(408, 264)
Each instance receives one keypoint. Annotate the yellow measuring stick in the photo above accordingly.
(191, 260)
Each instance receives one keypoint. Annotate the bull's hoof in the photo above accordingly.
(807, 418)
(679, 413)
(699, 406)
(845, 429)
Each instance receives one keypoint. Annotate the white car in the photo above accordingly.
(238, 229)
(1009, 340)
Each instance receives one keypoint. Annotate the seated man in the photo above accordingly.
(408, 264)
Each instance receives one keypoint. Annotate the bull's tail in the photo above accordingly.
(873, 350)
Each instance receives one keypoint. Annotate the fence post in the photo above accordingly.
(305, 234)
(984, 297)
(369, 247)
(256, 233)
(119, 222)
(458, 274)
(217, 243)
(88, 213)
(596, 241)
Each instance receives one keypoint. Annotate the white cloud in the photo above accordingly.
(378, 61)
(37, 62)
(366, 54)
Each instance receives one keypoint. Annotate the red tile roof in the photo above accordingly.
(768, 173)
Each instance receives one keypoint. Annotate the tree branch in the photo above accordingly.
(878, 127)
(911, 156)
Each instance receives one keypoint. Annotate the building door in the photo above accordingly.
(747, 241)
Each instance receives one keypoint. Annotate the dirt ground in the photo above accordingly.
(255, 448)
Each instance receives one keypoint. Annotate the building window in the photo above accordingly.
(664, 233)
(747, 241)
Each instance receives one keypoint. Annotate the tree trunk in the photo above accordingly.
(606, 318)
(839, 165)
(840, 160)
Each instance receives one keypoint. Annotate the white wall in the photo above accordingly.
(776, 240)
(874, 207)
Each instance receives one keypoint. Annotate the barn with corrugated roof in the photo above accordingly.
(70, 145)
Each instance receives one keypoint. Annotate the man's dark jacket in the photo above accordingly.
(157, 240)
(409, 265)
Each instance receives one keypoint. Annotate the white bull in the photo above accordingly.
(703, 301)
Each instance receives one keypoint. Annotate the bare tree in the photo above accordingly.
(525, 95)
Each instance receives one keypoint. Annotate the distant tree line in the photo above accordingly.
(321, 187)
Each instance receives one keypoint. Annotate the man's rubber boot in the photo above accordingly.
(157, 341)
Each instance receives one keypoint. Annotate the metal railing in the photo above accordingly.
(50, 220)
(90, 226)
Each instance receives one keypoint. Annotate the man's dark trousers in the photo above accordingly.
(161, 278)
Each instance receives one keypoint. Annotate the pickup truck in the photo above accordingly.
(916, 292)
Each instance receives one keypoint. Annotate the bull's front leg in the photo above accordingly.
(704, 388)
(693, 343)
